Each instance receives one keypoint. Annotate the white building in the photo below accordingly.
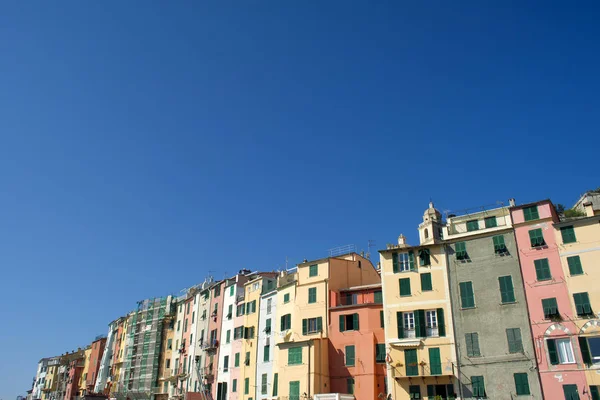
(266, 340)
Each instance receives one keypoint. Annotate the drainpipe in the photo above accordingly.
(456, 345)
(308, 377)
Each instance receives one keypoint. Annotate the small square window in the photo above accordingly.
(490, 222)
(472, 225)
(531, 213)
(313, 270)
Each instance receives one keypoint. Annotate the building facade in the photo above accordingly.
(266, 339)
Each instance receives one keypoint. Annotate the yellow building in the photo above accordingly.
(165, 372)
(51, 383)
(302, 358)
(86, 366)
(421, 357)
(578, 241)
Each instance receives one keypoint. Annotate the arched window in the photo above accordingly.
(426, 233)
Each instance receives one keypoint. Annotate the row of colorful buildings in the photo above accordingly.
(498, 302)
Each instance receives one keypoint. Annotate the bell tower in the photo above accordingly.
(430, 230)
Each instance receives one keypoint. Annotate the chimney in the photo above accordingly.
(402, 240)
(589, 209)
(511, 202)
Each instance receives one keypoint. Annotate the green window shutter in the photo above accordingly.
(490, 222)
(350, 385)
(350, 356)
(568, 234)
(233, 384)
(574, 265)
(267, 353)
(472, 225)
(410, 360)
(275, 384)
(552, 353)
(294, 390)
(411, 260)
(304, 326)
(342, 323)
(542, 269)
(395, 262)
(263, 384)
(426, 282)
(404, 287)
(246, 385)
(420, 323)
(550, 307)
(295, 356)
(507, 292)
(515, 343)
(460, 249)
(571, 392)
(595, 392)
(472, 340)
(313, 270)
(400, 325)
(355, 321)
(414, 391)
(312, 295)
(430, 391)
(521, 384)
(478, 385)
(380, 353)
(424, 257)
(268, 325)
(499, 245)
(228, 336)
(441, 322)
(237, 360)
(531, 213)
(582, 304)
(586, 355)
(536, 238)
(378, 297)
(381, 319)
(319, 324)
(435, 361)
(467, 299)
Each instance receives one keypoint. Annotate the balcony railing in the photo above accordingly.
(210, 345)
(422, 369)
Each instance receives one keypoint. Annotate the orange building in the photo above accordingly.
(357, 342)
(95, 358)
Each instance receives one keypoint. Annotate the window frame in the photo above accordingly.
(313, 270)
(490, 224)
(574, 264)
(531, 213)
(567, 234)
(536, 238)
(542, 270)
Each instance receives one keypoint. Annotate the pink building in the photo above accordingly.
(551, 316)
(237, 347)
(211, 346)
(357, 342)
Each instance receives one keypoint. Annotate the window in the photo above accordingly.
(467, 299)
(268, 325)
(472, 340)
(185, 325)
(238, 332)
(380, 353)
(246, 385)
(230, 311)
(267, 353)
(349, 322)
(247, 359)
(350, 385)
(170, 344)
(478, 386)
(234, 386)
(275, 383)
(249, 332)
(178, 325)
(216, 309)
(472, 225)
(231, 290)
(404, 287)
(574, 263)
(536, 237)
(193, 316)
(263, 384)
(349, 356)
(431, 323)
(409, 324)
(312, 325)
(426, 282)
(550, 308)
(286, 322)
(460, 249)
(568, 234)
(313, 270)
(237, 360)
(168, 363)
(381, 319)
(240, 310)
(490, 222)
(582, 304)
(402, 262)
(530, 213)
(228, 336)
(251, 307)
(590, 349)
(312, 295)
(515, 344)
(560, 351)
(410, 360)
(521, 384)
(542, 269)
(217, 291)
(225, 363)
(286, 298)
(571, 392)
(595, 392)
(295, 356)
(435, 361)
(378, 297)
(507, 292)
(499, 245)
(414, 391)
(269, 305)
(424, 257)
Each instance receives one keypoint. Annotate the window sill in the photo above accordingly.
(509, 303)
(468, 308)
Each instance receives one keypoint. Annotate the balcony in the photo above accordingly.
(210, 345)
(422, 369)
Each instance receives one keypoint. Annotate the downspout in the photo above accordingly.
(308, 377)
(456, 345)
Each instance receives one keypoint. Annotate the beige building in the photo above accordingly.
(421, 357)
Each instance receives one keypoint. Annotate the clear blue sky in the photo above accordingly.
(145, 143)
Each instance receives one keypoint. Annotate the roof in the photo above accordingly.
(535, 203)
(363, 287)
(339, 256)
(576, 220)
(409, 247)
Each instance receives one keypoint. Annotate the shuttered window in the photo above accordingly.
(405, 287)
(571, 392)
(568, 234)
(595, 392)
(286, 298)
(582, 304)
(312, 295)
(542, 269)
(521, 384)
(467, 299)
(499, 245)
(237, 360)
(574, 263)
(478, 386)
(233, 385)
(460, 249)
(275, 384)
(472, 341)
(515, 343)
(380, 353)
(424, 257)
(263, 384)
(378, 297)
(530, 213)
(507, 292)
(286, 322)
(550, 307)
(349, 356)
(410, 360)
(246, 385)
(295, 356)
(426, 282)
(435, 361)
(490, 222)
(313, 270)
(267, 353)
(472, 225)
(536, 238)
